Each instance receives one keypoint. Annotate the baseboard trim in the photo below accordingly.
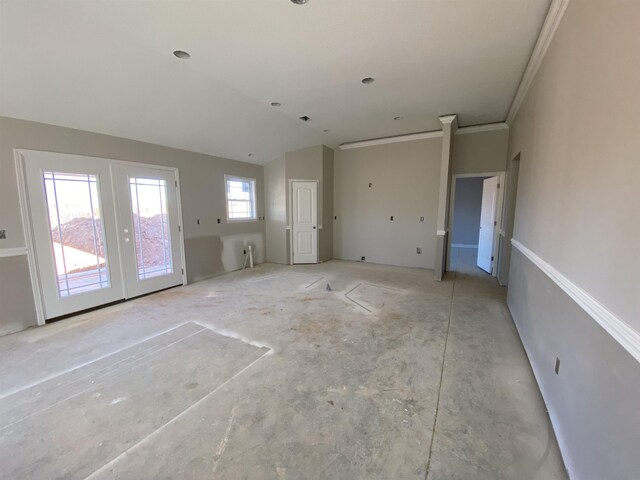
(463, 245)
(624, 334)
(13, 251)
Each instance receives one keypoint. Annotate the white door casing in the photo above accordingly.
(304, 194)
(488, 223)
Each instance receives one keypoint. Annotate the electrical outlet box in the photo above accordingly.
(362, 259)
(391, 218)
(419, 251)
(557, 369)
(370, 185)
(218, 220)
(3, 234)
(422, 219)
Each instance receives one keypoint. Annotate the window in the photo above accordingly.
(241, 198)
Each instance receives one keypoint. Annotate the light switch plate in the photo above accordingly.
(3, 234)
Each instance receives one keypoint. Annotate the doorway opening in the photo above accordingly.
(475, 219)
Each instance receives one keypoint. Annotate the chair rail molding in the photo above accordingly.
(624, 334)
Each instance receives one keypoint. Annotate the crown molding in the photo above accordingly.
(623, 333)
(394, 139)
(549, 27)
(451, 120)
(487, 127)
(422, 135)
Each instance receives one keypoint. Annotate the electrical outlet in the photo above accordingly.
(391, 218)
(198, 221)
(422, 219)
(370, 185)
(557, 369)
(3, 234)
(335, 218)
(218, 220)
(419, 251)
(362, 259)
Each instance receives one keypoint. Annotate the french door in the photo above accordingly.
(101, 230)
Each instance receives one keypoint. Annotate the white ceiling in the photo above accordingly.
(107, 66)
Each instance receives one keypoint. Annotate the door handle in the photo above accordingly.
(314, 227)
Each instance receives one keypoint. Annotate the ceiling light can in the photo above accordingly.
(276, 104)
(181, 54)
(368, 80)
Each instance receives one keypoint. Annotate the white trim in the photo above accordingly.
(441, 233)
(395, 139)
(34, 274)
(422, 135)
(549, 27)
(13, 251)
(463, 245)
(487, 127)
(624, 334)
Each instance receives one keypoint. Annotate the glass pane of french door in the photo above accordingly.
(77, 233)
(151, 227)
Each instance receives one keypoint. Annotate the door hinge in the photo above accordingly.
(492, 259)
(495, 223)
(498, 185)
(183, 271)
(177, 183)
(179, 228)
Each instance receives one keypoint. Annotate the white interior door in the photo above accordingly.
(73, 224)
(305, 219)
(148, 228)
(488, 225)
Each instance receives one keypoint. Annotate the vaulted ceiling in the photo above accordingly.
(107, 66)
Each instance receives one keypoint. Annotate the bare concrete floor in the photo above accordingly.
(268, 374)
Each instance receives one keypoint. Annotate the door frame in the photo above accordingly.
(499, 216)
(27, 228)
(290, 216)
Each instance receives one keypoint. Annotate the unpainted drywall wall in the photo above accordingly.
(466, 210)
(275, 191)
(404, 180)
(210, 248)
(577, 207)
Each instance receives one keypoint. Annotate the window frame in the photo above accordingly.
(252, 201)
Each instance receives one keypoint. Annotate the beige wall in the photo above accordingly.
(405, 185)
(405, 179)
(275, 191)
(577, 208)
(311, 164)
(326, 233)
(211, 248)
(479, 152)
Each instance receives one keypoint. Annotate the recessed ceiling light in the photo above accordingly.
(181, 54)
(276, 104)
(299, 2)
(397, 117)
(250, 155)
(368, 80)
(326, 131)
(305, 118)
